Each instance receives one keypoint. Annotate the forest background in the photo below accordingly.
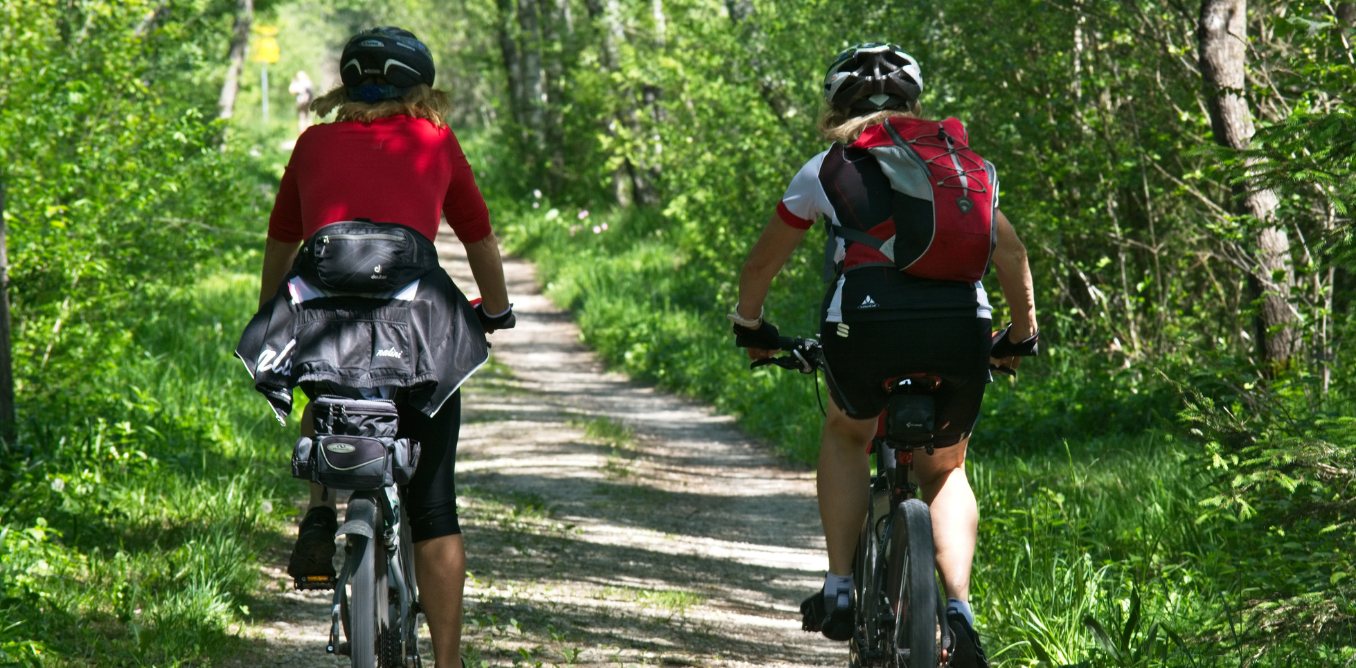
(1170, 484)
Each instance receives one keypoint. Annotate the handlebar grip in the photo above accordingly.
(787, 343)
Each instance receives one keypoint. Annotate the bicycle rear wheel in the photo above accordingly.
(369, 592)
(912, 586)
(863, 575)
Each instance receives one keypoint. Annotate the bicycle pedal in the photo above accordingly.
(307, 582)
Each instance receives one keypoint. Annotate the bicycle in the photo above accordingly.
(901, 614)
(375, 594)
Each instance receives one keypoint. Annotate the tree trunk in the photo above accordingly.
(7, 415)
(660, 24)
(512, 67)
(534, 78)
(1222, 34)
(608, 12)
(558, 49)
(240, 39)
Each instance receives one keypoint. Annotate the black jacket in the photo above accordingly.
(427, 343)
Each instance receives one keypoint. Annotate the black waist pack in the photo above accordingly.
(355, 446)
(360, 256)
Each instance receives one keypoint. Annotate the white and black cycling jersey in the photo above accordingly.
(846, 187)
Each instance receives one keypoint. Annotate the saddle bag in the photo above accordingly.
(355, 446)
(910, 418)
(374, 418)
(360, 256)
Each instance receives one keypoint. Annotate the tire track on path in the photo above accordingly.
(606, 523)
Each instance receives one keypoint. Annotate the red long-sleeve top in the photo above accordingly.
(393, 170)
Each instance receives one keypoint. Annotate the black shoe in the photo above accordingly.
(313, 555)
(968, 653)
(835, 625)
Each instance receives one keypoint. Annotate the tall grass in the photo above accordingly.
(139, 499)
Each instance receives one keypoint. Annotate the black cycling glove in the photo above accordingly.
(765, 337)
(1002, 347)
(505, 320)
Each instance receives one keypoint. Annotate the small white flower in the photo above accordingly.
(604, 226)
(583, 214)
(597, 229)
(58, 484)
(536, 205)
(536, 194)
(266, 507)
(553, 214)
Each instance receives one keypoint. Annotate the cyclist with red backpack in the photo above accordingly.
(913, 225)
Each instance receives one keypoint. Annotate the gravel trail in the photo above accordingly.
(606, 523)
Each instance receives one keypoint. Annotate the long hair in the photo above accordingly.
(422, 101)
(841, 125)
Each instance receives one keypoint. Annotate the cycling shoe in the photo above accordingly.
(313, 555)
(835, 625)
(968, 653)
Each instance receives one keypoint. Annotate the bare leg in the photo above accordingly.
(844, 473)
(440, 570)
(955, 515)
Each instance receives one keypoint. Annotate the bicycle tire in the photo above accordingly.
(368, 593)
(913, 586)
(863, 569)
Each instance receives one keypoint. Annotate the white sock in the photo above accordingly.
(837, 591)
(957, 605)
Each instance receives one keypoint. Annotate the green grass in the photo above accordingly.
(132, 530)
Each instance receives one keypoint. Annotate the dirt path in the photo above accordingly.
(606, 523)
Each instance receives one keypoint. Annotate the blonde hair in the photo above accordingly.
(840, 125)
(422, 101)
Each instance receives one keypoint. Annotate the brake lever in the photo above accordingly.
(1005, 370)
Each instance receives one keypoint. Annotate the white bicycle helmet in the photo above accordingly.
(872, 77)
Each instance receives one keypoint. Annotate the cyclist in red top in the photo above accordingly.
(389, 156)
(879, 322)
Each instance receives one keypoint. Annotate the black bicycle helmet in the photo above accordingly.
(872, 77)
(392, 54)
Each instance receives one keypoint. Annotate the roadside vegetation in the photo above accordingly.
(1169, 485)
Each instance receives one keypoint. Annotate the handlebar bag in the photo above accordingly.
(373, 418)
(358, 463)
(360, 256)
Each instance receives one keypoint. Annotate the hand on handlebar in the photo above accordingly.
(762, 341)
(1007, 354)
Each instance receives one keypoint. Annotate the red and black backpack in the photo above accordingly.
(932, 161)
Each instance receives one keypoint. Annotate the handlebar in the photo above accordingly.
(806, 355)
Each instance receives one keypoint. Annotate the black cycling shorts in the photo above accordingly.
(955, 349)
(431, 496)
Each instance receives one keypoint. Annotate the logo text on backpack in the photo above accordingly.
(389, 352)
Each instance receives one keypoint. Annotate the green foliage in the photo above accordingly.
(135, 516)
(139, 492)
(115, 181)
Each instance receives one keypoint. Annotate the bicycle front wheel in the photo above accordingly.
(913, 586)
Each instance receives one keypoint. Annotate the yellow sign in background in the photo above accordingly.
(266, 45)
